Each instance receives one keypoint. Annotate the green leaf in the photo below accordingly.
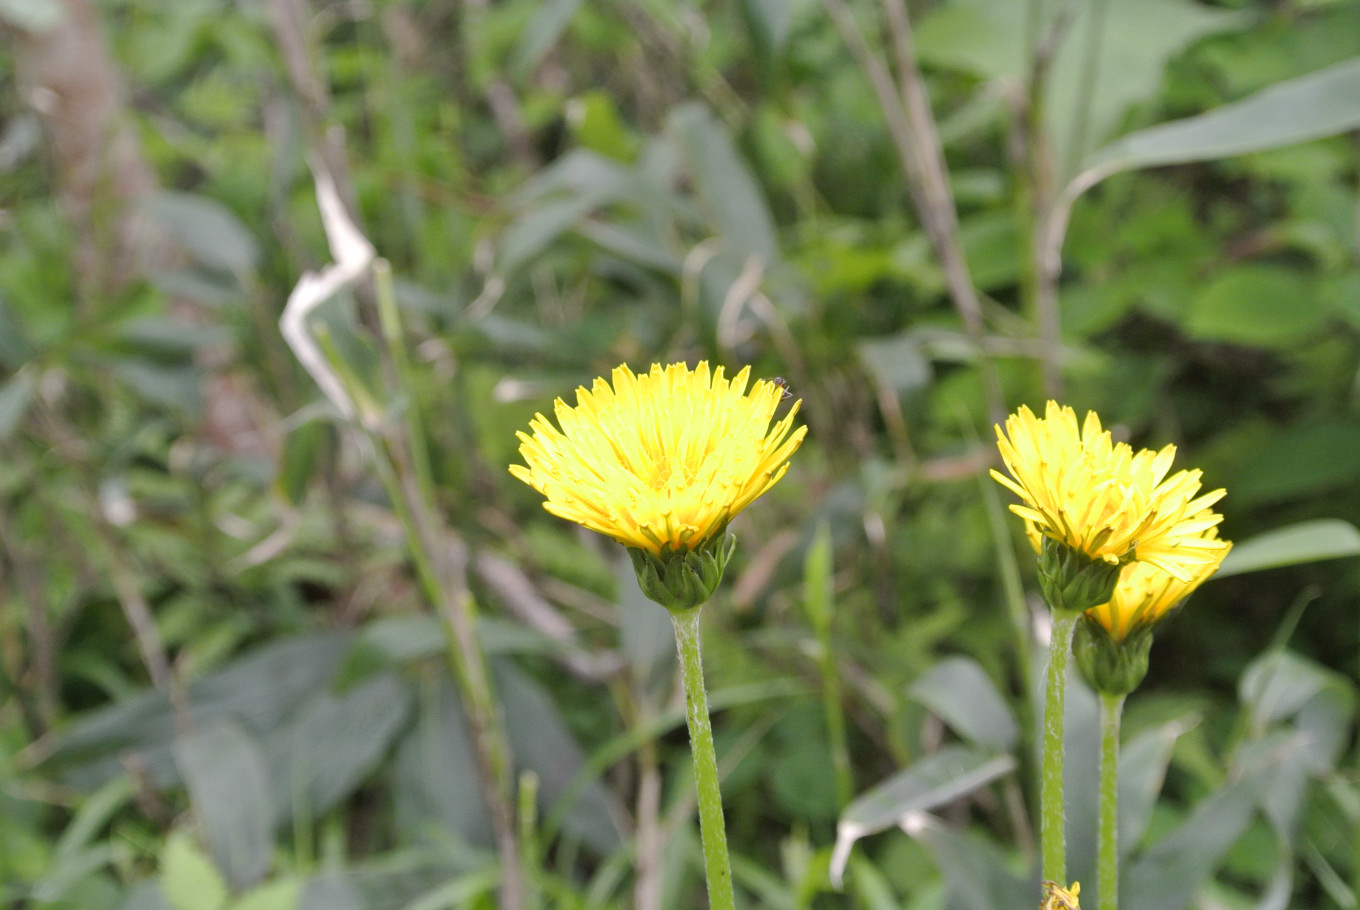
(933, 781)
(93, 816)
(1260, 305)
(35, 16)
(276, 895)
(145, 895)
(977, 871)
(224, 770)
(959, 691)
(897, 363)
(549, 21)
(532, 233)
(1142, 769)
(15, 397)
(818, 569)
(334, 743)
(330, 891)
(595, 122)
(1309, 541)
(770, 22)
(1134, 42)
(1319, 104)
(542, 742)
(1282, 685)
(79, 853)
(724, 184)
(188, 878)
(1298, 462)
(1169, 874)
(299, 462)
(207, 230)
(259, 690)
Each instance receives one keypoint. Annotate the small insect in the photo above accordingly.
(1056, 897)
(783, 384)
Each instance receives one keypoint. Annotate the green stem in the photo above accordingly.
(717, 866)
(1107, 874)
(817, 588)
(390, 319)
(1052, 837)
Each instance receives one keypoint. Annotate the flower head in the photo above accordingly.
(660, 462)
(1102, 499)
(1145, 594)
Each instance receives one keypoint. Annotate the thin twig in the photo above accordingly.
(906, 109)
(289, 20)
(135, 607)
(1038, 172)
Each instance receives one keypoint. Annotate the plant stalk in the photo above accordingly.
(407, 478)
(717, 865)
(1053, 832)
(1107, 870)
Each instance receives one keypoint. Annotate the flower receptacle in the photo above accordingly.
(682, 580)
(1111, 666)
(1073, 581)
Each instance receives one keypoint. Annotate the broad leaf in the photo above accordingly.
(188, 879)
(934, 781)
(724, 183)
(1309, 541)
(959, 691)
(1174, 869)
(224, 770)
(1129, 44)
(1319, 104)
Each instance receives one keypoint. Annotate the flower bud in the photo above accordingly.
(1112, 666)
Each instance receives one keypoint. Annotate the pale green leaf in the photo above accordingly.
(224, 770)
(959, 691)
(1260, 305)
(550, 20)
(1128, 43)
(188, 878)
(207, 230)
(725, 184)
(1309, 541)
(276, 895)
(1319, 104)
(934, 781)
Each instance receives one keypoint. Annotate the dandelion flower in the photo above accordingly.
(1145, 594)
(662, 461)
(1102, 499)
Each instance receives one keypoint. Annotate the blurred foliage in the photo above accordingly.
(563, 186)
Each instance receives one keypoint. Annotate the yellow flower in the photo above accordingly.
(661, 461)
(1145, 594)
(1056, 897)
(1102, 499)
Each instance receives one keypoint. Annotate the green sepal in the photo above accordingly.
(1073, 581)
(682, 580)
(1111, 667)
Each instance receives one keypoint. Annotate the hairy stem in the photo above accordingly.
(717, 866)
(1107, 873)
(1053, 837)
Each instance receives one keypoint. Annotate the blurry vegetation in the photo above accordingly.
(221, 683)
